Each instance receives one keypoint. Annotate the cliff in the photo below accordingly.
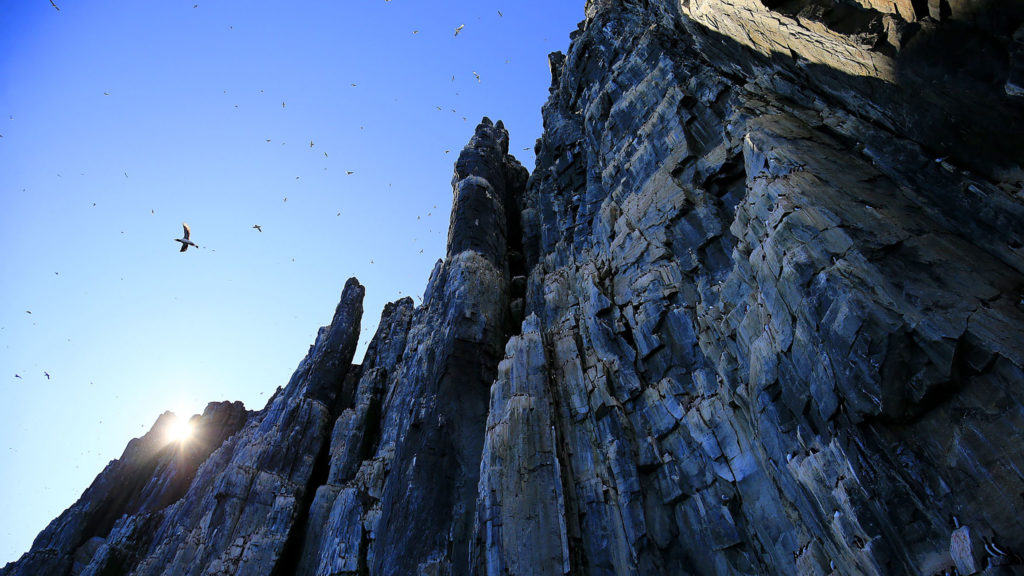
(758, 309)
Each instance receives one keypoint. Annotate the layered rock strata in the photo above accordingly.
(759, 309)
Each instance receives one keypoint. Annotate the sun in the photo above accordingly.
(179, 430)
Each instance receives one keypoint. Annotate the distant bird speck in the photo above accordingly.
(325, 155)
(500, 15)
(106, 93)
(58, 10)
(415, 31)
(477, 77)
(47, 374)
(285, 199)
(349, 172)
(17, 375)
(459, 29)
(310, 143)
(258, 227)
(28, 311)
(282, 103)
(185, 242)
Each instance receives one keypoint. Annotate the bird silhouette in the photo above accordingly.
(459, 29)
(17, 376)
(185, 242)
(47, 374)
(477, 77)
(258, 227)
(349, 172)
(310, 143)
(54, 5)
(500, 14)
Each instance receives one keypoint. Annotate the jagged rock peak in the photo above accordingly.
(153, 472)
(485, 185)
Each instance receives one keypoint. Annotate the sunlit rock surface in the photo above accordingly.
(759, 309)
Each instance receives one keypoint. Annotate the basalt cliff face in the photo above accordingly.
(759, 309)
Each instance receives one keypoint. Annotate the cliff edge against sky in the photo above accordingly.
(758, 309)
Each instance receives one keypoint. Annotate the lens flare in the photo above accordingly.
(179, 430)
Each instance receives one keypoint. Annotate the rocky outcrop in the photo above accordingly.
(153, 472)
(406, 458)
(781, 317)
(759, 309)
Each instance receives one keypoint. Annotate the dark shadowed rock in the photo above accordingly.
(154, 472)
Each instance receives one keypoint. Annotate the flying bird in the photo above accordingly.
(185, 242)
(310, 143)
(459, 29)
(477, 79)
(17, 375)
(257, 227)
(47, 374)
(349, 172)
(500, 14)
(54, 5)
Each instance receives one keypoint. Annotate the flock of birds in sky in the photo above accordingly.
(186, 239)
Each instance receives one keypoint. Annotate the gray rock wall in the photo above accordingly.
(759, 309)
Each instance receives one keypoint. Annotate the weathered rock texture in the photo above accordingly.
(758, 310)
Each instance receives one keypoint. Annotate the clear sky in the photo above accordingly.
(318, 121)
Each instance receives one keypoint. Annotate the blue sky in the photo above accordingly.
(121, 120)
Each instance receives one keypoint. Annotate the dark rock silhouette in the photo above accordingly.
(759, 309)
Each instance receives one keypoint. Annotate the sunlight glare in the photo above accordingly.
(179, 430)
